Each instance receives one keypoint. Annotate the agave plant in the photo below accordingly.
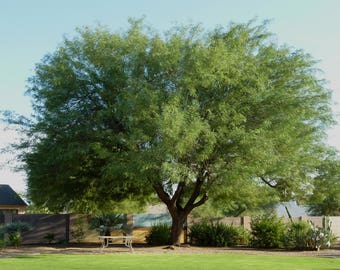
(105, 223)
(14, 232)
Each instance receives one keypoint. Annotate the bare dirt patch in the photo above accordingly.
(142, 249)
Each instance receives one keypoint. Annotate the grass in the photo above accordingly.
(167, 261)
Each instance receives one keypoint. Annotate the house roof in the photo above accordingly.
(9, 197)
(294, 209)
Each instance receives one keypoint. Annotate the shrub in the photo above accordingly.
(217, 234)
(2, 240)
(2, 244)
(159, 235)
(321, 237)
(306, 236)
(50, 237)
(267, 232)
(14, 231)
(298, 235)
(105, 223)
(79, 232)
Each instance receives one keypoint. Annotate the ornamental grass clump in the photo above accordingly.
(217, 234)
(159, 235)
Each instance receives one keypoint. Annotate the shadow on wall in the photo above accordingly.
(44, 225)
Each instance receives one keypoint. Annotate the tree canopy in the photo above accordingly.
(186, 115)
(325, 198)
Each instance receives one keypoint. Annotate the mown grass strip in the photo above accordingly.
(167, 262)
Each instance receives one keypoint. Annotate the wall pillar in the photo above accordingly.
(246, 223)
(8, 218)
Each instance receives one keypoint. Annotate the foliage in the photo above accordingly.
(306, 236)
(267, 232)
(33, 209)
(105, 223)
(184, 115)
(217, 234)
(298, 235)
(50, 237)
(321, 237)
(79, 232)
(14, 231)
(325, 199)
(159, 235)
(239, 201)
(3, 241)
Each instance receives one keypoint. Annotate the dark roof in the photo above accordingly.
(9, 197)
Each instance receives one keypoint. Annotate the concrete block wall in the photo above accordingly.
(65, 227)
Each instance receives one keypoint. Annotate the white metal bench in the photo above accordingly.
(127, 240)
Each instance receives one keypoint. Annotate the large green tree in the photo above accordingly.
(185, 114)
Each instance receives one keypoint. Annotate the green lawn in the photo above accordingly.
(167, 261)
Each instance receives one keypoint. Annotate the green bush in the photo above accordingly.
(306, 236)
(79, 232)
(267, 232)
(298, 235)
(217, 235)
(14, 231)
(2, 240)
(2, 244)
(105, 223)
(50, 237)
(159, 235)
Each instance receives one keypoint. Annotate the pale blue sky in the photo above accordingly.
(31, 28)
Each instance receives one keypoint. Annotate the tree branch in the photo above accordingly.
(268, 182)
(201, 201)
(194, 194)
(178, 193)
(162, 194)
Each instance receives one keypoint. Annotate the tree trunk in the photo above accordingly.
(177, 227)
(177, 210)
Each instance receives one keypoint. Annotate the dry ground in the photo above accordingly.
(142, 249)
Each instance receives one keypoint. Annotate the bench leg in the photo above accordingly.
(105, 243)
(128, 243)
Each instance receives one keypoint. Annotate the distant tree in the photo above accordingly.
(184, 115)
(325, 198)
